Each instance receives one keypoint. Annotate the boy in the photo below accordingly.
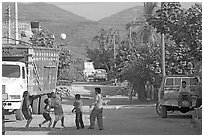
(97, 110)
(184, 90)
(26, 108)
(58, 111)
(78, 110)
(46, 113)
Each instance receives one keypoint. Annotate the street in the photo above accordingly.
(118, 120)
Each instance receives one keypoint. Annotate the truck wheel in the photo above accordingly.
(158, 108)
(163, 111)
(19, 115)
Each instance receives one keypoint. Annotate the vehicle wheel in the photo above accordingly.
(158, 108)
(163, 111)
(18, 115)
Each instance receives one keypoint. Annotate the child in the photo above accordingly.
(78, 110)
(97, 111)
(184, 89)
(58, 110)
(26, 108)
(46, 113)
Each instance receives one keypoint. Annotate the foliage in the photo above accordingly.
(65, 61)
(42, 38)
(184, 29)
(145, 33)
(103, 55)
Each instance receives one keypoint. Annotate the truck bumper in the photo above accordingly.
(8, 105)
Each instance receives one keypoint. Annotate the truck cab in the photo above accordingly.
(14, 83)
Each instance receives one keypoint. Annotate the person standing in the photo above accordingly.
(26, 108)
(97, 111)
(198, 92)
(78, 110)
(58, 110)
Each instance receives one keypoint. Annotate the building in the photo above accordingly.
(24, 32)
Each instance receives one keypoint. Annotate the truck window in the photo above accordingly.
(177, 81)
(187, 80)
(169, 82)
(11, 71)
(23, 72)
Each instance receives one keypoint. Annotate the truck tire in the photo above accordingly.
(158, 108)
(19, 115)
(35, 108)
(163, 112)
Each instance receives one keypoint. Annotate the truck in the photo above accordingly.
(89, 71)
(27, 68)
(168, 96)
(100, 74)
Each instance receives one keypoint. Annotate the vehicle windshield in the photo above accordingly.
(11, 71)
(176, 81)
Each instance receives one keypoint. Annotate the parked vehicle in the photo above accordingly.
(26, 68)
(169, 94)
(89, 71)
(100, 74)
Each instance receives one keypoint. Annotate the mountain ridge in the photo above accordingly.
(79, 30)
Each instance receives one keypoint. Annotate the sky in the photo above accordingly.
(98, 10)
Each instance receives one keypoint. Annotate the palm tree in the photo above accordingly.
(144, 32)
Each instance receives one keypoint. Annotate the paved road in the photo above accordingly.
(124, 120)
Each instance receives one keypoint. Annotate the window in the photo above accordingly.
(12, 71)
(177, 81)
(23, 72)
(169, 82)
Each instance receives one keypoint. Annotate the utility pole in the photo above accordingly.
(16, 24)
(114, 55)
(163, 50)
(8, 23)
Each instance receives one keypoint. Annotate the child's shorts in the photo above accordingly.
(47, 116)
(58, 117)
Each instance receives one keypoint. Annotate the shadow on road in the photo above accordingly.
(179, 116)
(33, 129)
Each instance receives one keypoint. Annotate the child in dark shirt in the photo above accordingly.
(46, 113)
(78, 110)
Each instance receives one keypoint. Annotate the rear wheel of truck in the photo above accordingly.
(19, 114)
(163, 112)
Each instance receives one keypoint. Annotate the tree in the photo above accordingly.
(65, 60)
(137, 64)
(144, 32)
(103, 55)
(184, 29)
(42, 38)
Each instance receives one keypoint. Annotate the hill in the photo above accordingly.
(56, 20)
(120, 19)
(80, 31)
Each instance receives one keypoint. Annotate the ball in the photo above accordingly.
(63, 36)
